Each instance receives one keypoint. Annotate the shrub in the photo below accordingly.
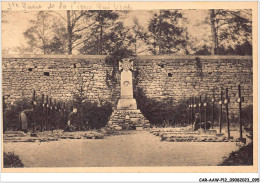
(162, 113)
(12, 160)
(90, 115)
(166, 113)
(96, 116)
(11, 114)
(243, 156)
(117, 55)
(247, 115)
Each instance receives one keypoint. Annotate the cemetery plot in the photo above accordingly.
(187, 135)
(19, 136)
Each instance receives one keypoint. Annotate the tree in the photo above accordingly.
(139, 35)
(103, 37)
(44, 33)
(78, 22)
(59, 34)
(230, 29)
(166, 34)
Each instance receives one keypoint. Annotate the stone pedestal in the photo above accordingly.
(128, 120)
(127, 104)
(126, 116)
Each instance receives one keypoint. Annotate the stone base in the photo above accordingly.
(127, 103)
(128, 120)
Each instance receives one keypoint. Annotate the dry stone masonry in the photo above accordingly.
(180, 77)
(58, 76)
(160, 77)
(126, 115)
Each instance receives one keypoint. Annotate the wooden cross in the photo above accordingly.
(239, 100)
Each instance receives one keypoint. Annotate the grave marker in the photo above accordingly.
(205, 107)
(239, 100)
(127, 104)
(42, 107)
(213, 106)
(34, 104)
(226, 101)
(220, 111)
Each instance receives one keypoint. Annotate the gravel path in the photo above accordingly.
(139, 148)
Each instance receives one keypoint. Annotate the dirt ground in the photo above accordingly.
(137, 148)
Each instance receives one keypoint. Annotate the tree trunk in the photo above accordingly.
(135, 45)
(213, 32)
(69, 33)
(154, 46)
(100, 37)
(160, 33)
(44, 46)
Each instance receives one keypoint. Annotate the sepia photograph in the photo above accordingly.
(112, 85)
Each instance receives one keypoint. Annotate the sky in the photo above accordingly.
(18, 21)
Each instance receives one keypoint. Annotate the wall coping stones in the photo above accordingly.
(42, 56)
(193, 57)
(159, 57)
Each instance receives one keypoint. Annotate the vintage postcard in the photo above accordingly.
(129, 87)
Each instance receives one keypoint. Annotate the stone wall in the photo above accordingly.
(57, 76)
(180, 77)
(160, 77)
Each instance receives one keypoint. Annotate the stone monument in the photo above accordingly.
(126, 115)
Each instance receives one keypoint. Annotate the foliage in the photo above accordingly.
(46, 34)
(166, 35)
(91, 115)
(55, 117)
(139, 36)
(11, 114)
(102, 32)
(107, 36)
(205, 50)
(78, 24)
(247, 115)
(230, 30)
(166, 113)
(12, 160)
(239, 49)
(118, 55)
(99, 32)
(161, 112)
(243, 156)
(96, 115)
